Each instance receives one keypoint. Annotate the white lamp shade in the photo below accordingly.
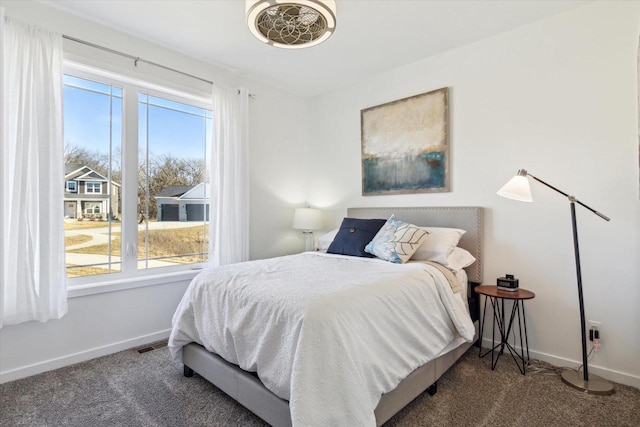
(307, 219)
(517, 189)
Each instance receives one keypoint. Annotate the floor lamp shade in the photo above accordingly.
(518, 189)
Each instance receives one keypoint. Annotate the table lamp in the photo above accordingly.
(307, 220)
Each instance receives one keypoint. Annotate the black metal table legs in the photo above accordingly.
(504, 329)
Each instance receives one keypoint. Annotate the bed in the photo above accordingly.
(292, 376)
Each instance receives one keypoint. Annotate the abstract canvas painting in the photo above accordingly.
(405, 146)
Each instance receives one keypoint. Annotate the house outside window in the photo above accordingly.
(74, 201)
(118, 179)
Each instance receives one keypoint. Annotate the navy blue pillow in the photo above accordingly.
(354, 235)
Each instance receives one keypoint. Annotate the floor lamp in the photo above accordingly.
(518, 189)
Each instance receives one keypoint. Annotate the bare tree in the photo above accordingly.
(96, 160)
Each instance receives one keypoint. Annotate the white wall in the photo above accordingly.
(557, 97)
(99, 324)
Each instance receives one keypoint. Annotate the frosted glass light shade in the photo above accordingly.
(307, 219)
(517, 189)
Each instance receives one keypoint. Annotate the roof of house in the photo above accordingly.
(174, 190)
(72, 167)
(80, 172)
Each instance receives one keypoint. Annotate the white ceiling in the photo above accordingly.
(371, 36)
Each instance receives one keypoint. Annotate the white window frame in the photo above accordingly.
(130, 277)
(92, 209)
(75, 186)
(93, 186)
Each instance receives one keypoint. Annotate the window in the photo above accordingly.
(147, 210)
(92, 187)
(92, 208)
(93, 112)
(71, 186)
(172, 145)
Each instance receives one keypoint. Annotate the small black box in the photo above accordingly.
(508, 283)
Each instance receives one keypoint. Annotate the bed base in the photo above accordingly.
(247, 389)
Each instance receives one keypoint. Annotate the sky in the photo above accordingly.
(175, 129)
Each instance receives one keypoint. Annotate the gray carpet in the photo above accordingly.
(132, 389)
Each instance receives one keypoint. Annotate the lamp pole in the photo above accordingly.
(576, 249)
(583, 321)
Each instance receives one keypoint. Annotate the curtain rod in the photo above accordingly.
(137, 59)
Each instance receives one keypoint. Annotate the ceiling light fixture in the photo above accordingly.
(291, 24)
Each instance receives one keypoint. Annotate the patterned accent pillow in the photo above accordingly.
(396, 241)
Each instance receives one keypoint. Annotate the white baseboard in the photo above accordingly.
(48, 365)
(609, 374)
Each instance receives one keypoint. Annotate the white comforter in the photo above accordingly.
(328, 333)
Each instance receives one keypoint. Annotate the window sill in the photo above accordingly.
(130, 283)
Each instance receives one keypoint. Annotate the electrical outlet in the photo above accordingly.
(595, 325)
(595, 334)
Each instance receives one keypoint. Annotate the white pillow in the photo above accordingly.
(325, 240)
(438, 245)
(458, 259)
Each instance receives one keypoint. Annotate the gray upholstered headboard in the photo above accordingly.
(468, 218)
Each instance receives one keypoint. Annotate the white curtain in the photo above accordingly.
(229, 233)
(32, 273)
